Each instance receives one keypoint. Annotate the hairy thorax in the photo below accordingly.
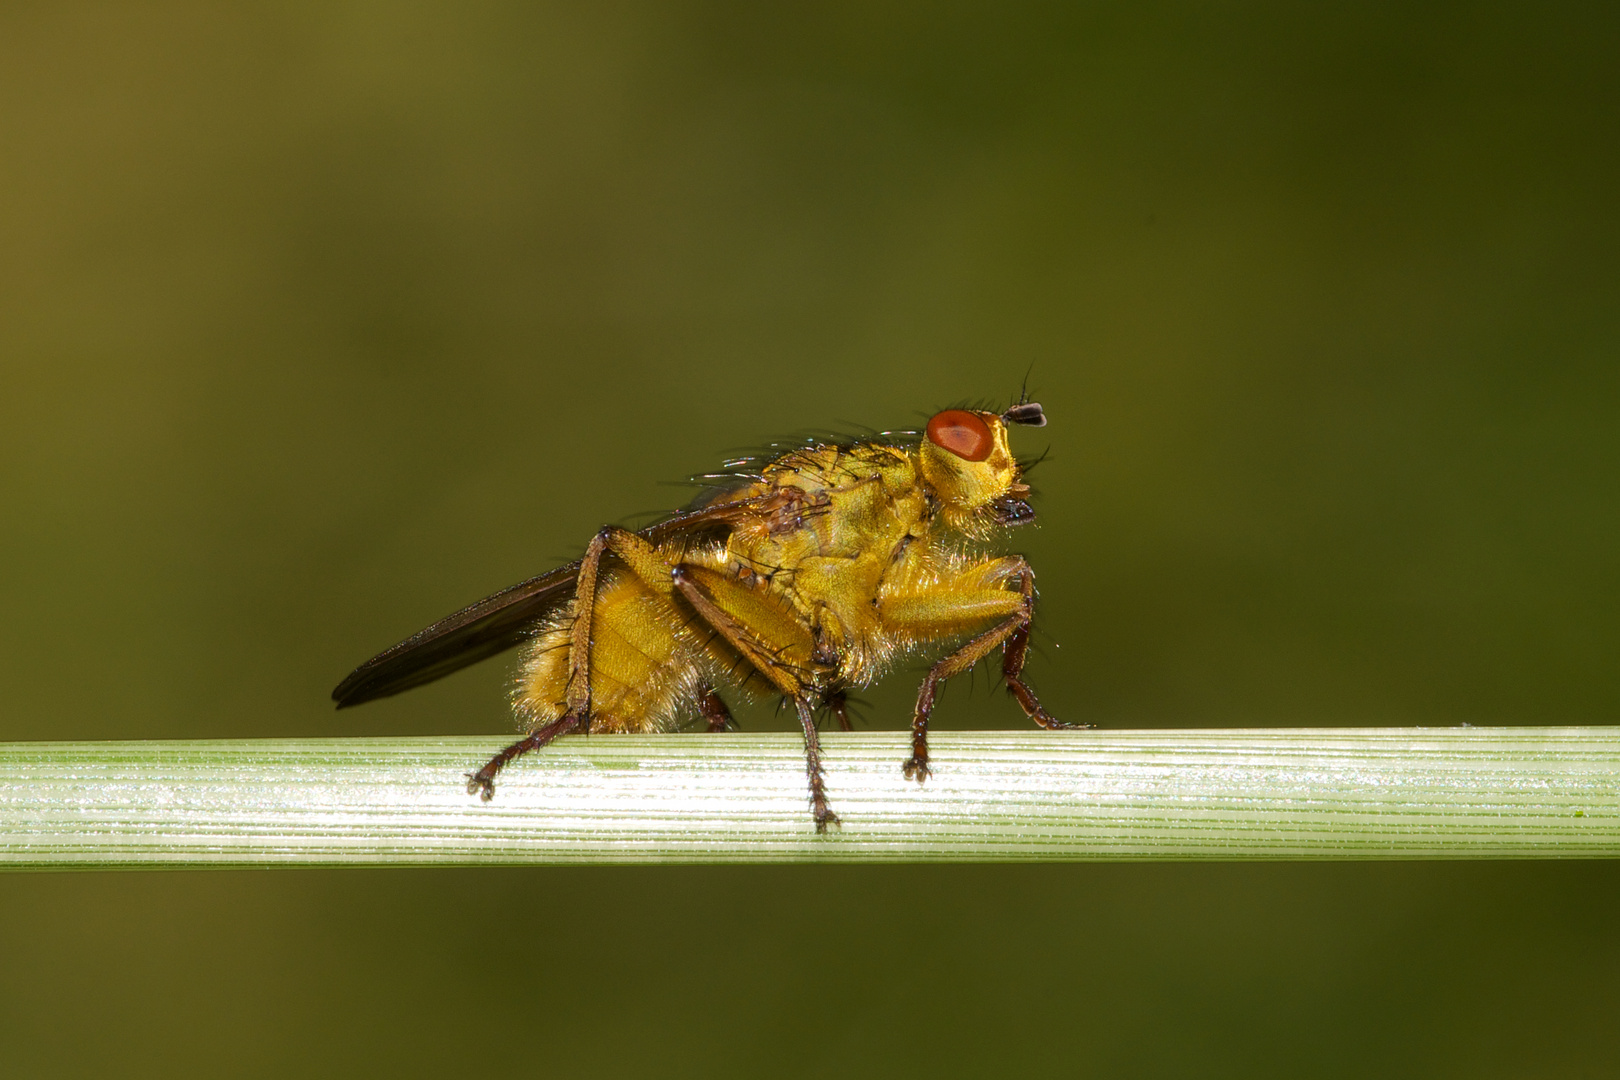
(853, 515)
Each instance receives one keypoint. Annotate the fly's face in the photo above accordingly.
(965, 461)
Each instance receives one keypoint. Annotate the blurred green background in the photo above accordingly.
(318, 321)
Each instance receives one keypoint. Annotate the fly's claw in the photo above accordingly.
(824, 818)
(481, 785)
(916, 768)
(1051, 723)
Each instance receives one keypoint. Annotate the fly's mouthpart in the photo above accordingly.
(1027, 413)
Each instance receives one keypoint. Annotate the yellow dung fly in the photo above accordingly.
(810, 574)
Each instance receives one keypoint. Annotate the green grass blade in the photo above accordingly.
(1329, 793)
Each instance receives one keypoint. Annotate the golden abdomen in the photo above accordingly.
(646, 665)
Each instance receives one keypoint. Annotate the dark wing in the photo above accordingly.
(496, 623)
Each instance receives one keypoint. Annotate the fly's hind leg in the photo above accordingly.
(644, 561)
(972, 597)
(482, 782)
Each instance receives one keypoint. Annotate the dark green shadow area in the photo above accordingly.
(1404, 970)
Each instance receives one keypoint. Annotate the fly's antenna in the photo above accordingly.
(1027, 413)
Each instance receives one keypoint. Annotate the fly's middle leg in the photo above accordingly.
(776, 644)
(812, 765)
(714, 712)
(838, 703)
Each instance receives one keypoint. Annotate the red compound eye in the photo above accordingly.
(962, 433)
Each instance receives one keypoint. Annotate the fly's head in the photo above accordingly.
(965, 462)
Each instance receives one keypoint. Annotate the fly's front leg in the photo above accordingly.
(1012, 663)
(972, 596)
(643, 560)
(916, 766)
